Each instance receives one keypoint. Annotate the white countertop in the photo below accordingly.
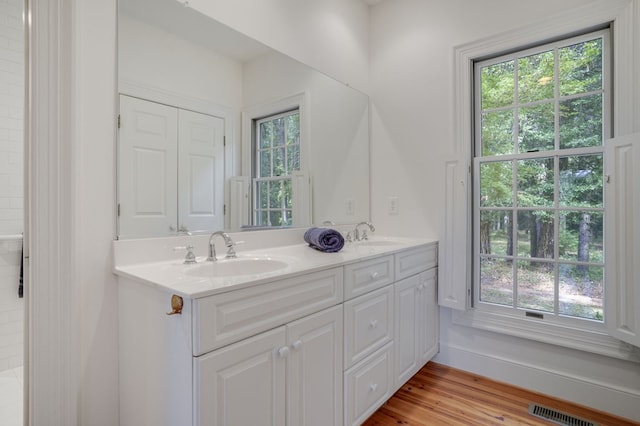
(154, 262)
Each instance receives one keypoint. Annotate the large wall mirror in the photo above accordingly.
(218, 131)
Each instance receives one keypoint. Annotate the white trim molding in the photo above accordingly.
(52, 315)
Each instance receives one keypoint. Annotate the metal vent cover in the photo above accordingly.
(558, 417)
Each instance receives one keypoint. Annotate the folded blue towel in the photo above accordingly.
(324, 239)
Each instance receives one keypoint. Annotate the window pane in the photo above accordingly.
(293, 129)
(265, 163)
(581, 181)
(266, 134)
(536, 128)
(496, 232)
(293, 158)
(536, 183)
(278, 162)
(535, 285)
(581, 291)
(580, 236)
(287, 220)
(276, 218)
(262, 218)
(263, 194)
(535, 77)
(497, 85)
(497, 133)
(581, 67)
(535, 234)
(496, 184)
(496, 281)
(581, 122)
(287, 203)
(279, 131)
(275, 194)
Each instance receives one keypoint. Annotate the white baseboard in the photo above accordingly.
(580, 390)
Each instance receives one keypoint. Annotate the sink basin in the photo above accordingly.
(236, 267)
(378, 243)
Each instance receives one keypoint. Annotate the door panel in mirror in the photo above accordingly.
(200, 172)
(147, 155)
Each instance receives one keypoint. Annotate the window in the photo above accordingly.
(277, 157)
(541, 117)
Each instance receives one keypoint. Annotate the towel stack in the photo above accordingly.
(324, 239)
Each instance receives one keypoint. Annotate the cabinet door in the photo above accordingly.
(314, 369)
(407, 330)
(243, 383)
(427, 316)
(200, 171)
(147, 175)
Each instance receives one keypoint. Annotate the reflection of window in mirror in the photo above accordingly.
(277, 157)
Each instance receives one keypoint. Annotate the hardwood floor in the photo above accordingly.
(439, 395)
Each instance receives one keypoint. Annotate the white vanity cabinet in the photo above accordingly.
(291, 375)
(322, 346)
(391, 331)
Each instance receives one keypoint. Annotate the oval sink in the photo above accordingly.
(236, 267)
(378, 243)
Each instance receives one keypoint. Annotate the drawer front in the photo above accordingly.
(367, 386)
(413, 261)
(229, 317)
(368, 324)
(363, 277)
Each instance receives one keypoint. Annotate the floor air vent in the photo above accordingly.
(558, 417)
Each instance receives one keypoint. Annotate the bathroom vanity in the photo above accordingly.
(281, 335)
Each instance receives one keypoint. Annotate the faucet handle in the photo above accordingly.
(190, 257)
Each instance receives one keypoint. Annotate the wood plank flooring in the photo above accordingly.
(440, 395)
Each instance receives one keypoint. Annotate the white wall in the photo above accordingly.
(412, 80)
(11, 180)
(330, 35)
(337, 150)
(93, 94)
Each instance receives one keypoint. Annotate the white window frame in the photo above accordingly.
(256, 178)
(300, 181)
(604, 34)
(455, 282)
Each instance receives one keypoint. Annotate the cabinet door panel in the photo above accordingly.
(368, 324)
(428, 316)
(242, 384)
(315, 369)
(406, 337)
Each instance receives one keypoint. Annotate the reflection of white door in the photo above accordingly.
(147, 173)
(200, 171)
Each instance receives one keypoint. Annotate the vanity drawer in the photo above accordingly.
(362, 277)
(368, 323)
(222, 319)
(413, 261)
(367, 386)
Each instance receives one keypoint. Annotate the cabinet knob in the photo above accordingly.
(373, 324)
(297, 344)
(374, 275)
(373, 387)
(421, 287)
(283, 352)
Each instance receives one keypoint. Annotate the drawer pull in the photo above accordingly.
(283, 352)
(297, 344)
(374, 275)
(373, 324)
(373, 387)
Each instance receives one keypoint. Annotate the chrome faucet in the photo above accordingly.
(363, 236)
(228, 242)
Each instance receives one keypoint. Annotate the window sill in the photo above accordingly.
(556, 334)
